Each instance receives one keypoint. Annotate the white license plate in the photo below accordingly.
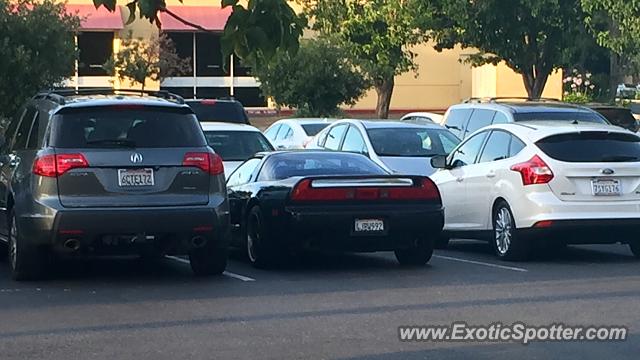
(137, 177)
(369, 225)
(606, 187)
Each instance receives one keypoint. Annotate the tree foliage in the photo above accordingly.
(37, 49)
(316, 80)
(139, 60)
(378, 35)
(622, 32)
(253, 32)
(531, 36)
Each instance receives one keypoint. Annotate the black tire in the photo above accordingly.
(506, 242)
(26, 262)
(442, 242)
(417, 255)
(635, 248)
(261, 251)
(208, 260)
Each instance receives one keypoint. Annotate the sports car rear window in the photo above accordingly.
(122, 126)
(286, 165)
(592, 147)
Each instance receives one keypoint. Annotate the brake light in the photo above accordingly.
(425, 190)
(207, 162)
(57, 165)
(543, 224)
(534, 171)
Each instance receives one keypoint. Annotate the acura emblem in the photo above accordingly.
(136, 158)
(608, 171)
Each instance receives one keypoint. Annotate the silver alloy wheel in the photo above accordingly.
(252, 237)
(503, 230)
(13, 243)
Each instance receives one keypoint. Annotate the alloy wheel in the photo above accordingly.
(13, 244)
(253, 238)
(503, 230)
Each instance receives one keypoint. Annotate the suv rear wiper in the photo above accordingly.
(113, 142)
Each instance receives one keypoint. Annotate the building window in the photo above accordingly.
(95, 49)
(209, 56)
(183, 42)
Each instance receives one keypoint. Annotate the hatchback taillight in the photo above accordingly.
(56, 165)
(207, 162)
(534, 171)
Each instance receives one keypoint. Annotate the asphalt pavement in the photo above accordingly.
(322, 307)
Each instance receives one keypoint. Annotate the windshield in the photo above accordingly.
(237, 145)
(560, 116)
(592, 147)
(412, 142)
(219, 111)
(107, 127)
(286, 165)
(314, 129)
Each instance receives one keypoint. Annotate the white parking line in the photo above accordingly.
(226, 273)
(482, 263)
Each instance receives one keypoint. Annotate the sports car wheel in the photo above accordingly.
(418, 255)
(506, 242)
(209, 260)
(260, 250)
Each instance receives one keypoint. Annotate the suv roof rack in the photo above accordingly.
(503, 98)
(59, 95)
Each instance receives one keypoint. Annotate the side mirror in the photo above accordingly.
(439, 162)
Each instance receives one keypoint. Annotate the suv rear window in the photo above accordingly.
(219, 111)
(592, 147)
(144, 127)
(560, 116)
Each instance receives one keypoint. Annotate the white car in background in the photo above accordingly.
(398, 147)
(423, 118)
(235, 143)
(554, 182)
(295, 133)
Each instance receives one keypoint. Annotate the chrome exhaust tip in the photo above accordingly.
(198, 242)
(72, 244)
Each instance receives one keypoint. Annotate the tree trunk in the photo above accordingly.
(384, 89)
(616, 75)
(535, 82)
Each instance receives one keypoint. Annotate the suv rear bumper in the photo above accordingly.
(127, 230)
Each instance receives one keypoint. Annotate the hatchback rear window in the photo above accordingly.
(592, 147)
(107, 127)
(560, 116)
(237, 145)
(219, 111)
(314, 129)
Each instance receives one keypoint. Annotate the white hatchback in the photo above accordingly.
(551, 182)
(295, 133)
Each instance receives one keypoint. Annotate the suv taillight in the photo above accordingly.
(534, 171)
(56, 165)
(209, 163)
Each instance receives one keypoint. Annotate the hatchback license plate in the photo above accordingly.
(606, 187)
(134, 178)
(369, 225)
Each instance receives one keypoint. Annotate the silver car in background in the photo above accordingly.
(398, 147)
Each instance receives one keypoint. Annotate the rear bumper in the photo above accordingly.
(330, 228)
(591, 231)
(124, 231)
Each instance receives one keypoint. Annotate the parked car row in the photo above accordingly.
(114, 172)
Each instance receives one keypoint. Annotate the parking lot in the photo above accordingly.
(324, 306)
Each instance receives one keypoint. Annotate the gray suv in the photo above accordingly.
(474, 114)
(110, 173)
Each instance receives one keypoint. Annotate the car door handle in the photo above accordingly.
(491, 174)
(460, 179)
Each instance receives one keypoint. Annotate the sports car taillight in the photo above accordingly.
(210, 163)
(424, 190)
(57, 165)
(534, 171)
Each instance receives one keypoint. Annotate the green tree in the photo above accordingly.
(37, 49)
(253, 32)
(139, 60)
(378, 35)
(533, 37)
(315, 81)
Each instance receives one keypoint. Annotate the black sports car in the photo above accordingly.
(287, 201)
